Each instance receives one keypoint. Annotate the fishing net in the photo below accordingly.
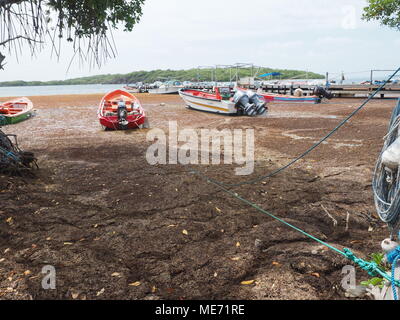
(13, 160)
(386, 181)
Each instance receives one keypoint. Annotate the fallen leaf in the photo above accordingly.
(237, 244)
(185, 232)
(9, 220)
(48, 239)
(247, 283)
(215, 275)
(68, 243)
(100, 292)
(7, 250)
(277, 264)
(153, 290)
(218, 209)
(235, 259)
(315, 274)
(116, 274)
(135, 284)
(74, 295)
(27, 272)
(2, 259)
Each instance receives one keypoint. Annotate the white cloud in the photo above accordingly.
(302, 34)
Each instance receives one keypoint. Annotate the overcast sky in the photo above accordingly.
(315, 35)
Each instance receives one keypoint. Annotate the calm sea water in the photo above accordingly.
(57, 90)
(100, 88)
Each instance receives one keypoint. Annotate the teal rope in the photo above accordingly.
(371, 267)
(392, 257)
(10, 154)
(395, 297)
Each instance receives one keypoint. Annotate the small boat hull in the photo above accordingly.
(165, 90)
(112, 123)
(280, 98)
(107, 112)
(15, 111)
(203, 101)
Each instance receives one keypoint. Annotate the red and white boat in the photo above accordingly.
(120, 110)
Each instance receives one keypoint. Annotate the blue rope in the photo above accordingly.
(10, 154)
(395, 297)
(393, 257)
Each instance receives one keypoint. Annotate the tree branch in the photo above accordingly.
(1, 61)
(19, 37)
(3, 3)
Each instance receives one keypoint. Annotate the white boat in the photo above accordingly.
(222, 102)
(132, 89)
(169, 87)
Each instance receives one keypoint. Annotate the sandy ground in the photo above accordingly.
(115, 227)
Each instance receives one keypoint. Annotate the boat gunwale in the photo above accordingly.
(190, 95)
(29, 107)
(100, 111)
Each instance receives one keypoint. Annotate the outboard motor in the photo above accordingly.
(242, 102)
(322, 93)
(122, 115)
(259, 102)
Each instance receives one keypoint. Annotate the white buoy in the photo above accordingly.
(298, 92)
(386, 293)
(391, 156)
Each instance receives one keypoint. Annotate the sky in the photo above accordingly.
(313, 35)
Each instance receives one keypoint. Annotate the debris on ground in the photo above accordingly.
(13, 160)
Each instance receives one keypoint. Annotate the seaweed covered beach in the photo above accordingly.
(116, 227)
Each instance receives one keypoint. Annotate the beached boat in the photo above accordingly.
(221, 101)
(132, 89)
(120, 110)
(169, 87)
(15, 111)
(282, 98)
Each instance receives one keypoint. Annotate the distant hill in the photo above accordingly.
(152, 76)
